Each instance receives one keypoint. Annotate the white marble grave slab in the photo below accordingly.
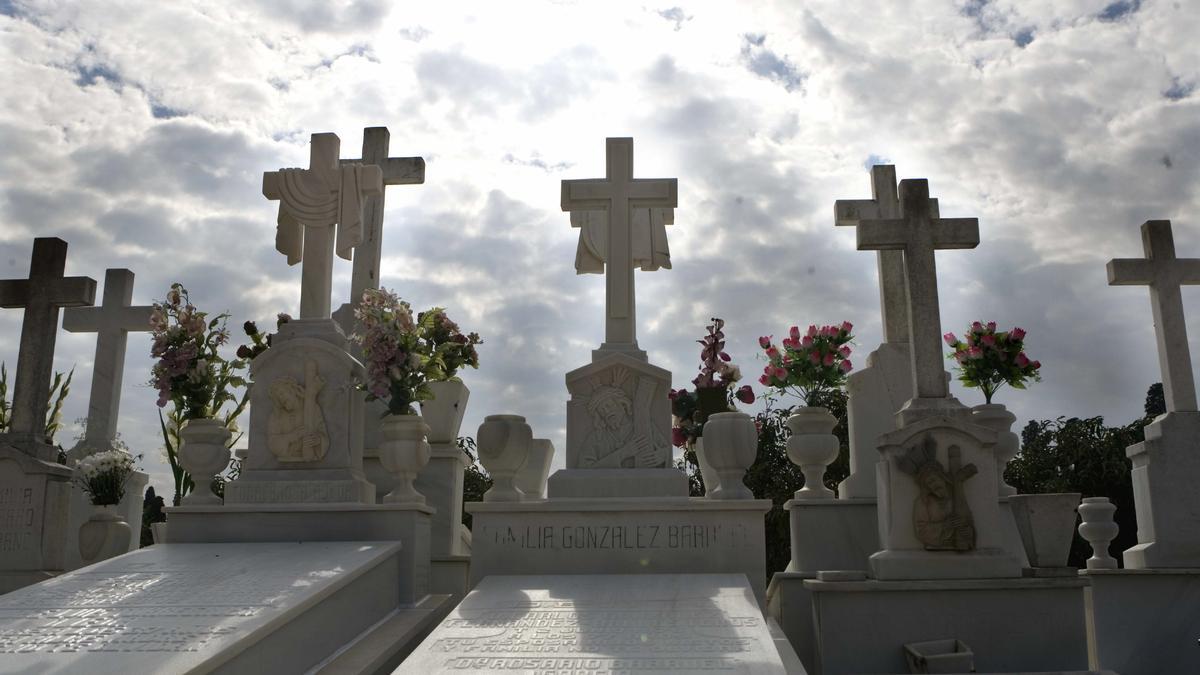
(191, 608)
(644, 623)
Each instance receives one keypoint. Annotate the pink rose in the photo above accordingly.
(1037, 365)
(812, 331)
(789, 343)
(780, 374)
(815, 357)
(846, 366)
(1017, 334)
(1022, 360)
(772, 353)
(989, 340)
(765, 380)
(991, 325)
(829, 359)
(807, 341)
(844, 350)
(950, 339)
(976, 326)
(745, 394)
(794, 331)
(764, 341)
(974, 353)
(847, 326)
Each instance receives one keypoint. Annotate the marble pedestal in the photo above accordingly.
(407, 524)
(82, 509)
(1144, 622)
(35, 500)
(576, 536)
(219, 608)
(1012, 625)
(1165, 468)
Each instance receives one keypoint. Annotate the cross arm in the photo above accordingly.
(882, 235)
(654, 192)
(132, 319)
(73, 292)
(398, 170)
(853, 211)
(587, 194)
(949, 233)
(1130, 272)
(14, 293)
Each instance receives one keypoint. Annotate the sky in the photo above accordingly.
(139, 133)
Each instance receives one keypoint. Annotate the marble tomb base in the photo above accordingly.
(1144, 622)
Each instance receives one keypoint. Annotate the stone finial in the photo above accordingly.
(1099, 529)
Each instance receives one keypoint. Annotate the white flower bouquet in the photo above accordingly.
(103, 475)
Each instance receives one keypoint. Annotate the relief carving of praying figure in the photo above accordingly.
(941, 517)
(649, 239)
(296, 428)
(621, 435)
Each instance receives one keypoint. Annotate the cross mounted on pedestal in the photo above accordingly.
(312, 202)
(918, 232)
(1164, 274)
(884, 205)
(112, 322)
(42, 295)
(619, 193)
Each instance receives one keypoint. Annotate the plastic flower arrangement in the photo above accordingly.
(714, 391)
(989, 360)
(808, 364)
(398, 360)
(449, 349)
(103, 475)
(190, 373)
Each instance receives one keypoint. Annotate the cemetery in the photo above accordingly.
(339, 546)
(335, 541)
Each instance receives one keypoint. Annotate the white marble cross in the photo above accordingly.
(112, 322)
(884, 204)
(650, 250)
(619, 193)
(1164, 274)
(396, 171)
(42, 295)
(312, 202)
(918, 233)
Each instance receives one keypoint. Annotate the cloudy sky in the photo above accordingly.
(139, 133)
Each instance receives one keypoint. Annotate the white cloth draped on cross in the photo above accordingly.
(650, 250)
(312, 202)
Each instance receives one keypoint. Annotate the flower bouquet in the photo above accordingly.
(449, 350)
(713, 396)
(811, 365)
(103, 476)
(989, 360)
(398, 359)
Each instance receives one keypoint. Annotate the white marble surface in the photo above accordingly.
(179, 607)
(653, 623)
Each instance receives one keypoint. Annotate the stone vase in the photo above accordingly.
(1099, 529)
(404, 451)
(104, 535)
(203, 453)
(504, 442)
(531, 478)
(731, 448)
(1047, 526)
(712, 480)
(444, 412)
(812, 446)
(996, 417)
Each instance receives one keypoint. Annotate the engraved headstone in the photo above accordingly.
(618, 416)
(112, 322)
(35, 489)
(1166, 465)
(174, 608)
(660, 623)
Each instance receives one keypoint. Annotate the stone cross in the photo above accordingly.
(112, 322)
(884, 205)
(918, 233)
(396, 171)
(312, 202)
(619, 193)
(1164, 274)
(42, 295)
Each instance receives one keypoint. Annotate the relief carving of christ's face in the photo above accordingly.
(935, 484)
(612, 412)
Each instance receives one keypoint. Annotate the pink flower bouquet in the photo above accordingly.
(808, 363)
(989, 360)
